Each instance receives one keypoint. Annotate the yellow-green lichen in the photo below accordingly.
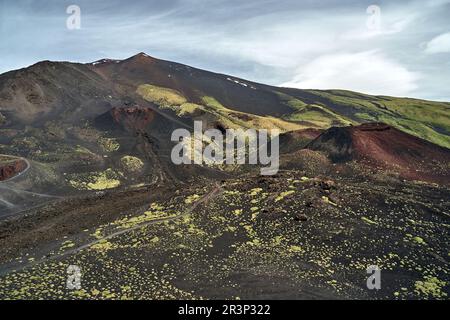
(255, 192)
(131, 164)
(430, 287)
(191, 199)
(109, 144)
(102, 246)
(97, 181)
(284, 195)
(327, 200)
(368, 221)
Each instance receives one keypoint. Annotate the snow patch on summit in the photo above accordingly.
(240, 83)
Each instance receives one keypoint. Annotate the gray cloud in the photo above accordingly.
(291, 42)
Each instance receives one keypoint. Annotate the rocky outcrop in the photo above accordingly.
(11, 169)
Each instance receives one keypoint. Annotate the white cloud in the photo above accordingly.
(390, 26)
(369, 72)
(439, 44)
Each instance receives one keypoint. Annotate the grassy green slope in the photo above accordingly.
(426, 119)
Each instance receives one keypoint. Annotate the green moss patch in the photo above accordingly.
(161, 96)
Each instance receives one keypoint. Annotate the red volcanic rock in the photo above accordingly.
(385, 147)
(11, 169)
(135, 118)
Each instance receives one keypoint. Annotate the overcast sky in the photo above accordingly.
(297, 43)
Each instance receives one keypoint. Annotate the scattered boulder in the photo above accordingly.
(301, 217)
(327, 185)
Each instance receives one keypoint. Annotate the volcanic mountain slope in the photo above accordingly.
(387, 148)
(101, 192)
(51, 91)
(67, 115)
(85, 90)
(107, 124)
(192, 83)
(306, 108)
